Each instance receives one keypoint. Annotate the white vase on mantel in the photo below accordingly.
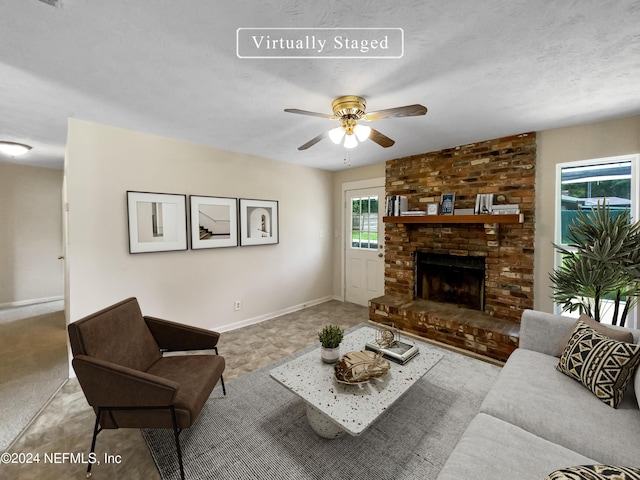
(330, 355)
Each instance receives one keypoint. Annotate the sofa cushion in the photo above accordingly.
(493, 449)
(616, 334)
(532, 394)
(603, 365)
(595, 472)
(196, 376)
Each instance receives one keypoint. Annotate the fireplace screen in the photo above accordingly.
(451, 279)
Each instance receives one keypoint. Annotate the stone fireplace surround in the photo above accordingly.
(502, 166)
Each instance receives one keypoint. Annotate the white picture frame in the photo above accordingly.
(157, 222)
(258, 222)
(214, 222)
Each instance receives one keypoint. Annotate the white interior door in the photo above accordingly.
(364, 257)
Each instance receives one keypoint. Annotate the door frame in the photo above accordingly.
(346, 186)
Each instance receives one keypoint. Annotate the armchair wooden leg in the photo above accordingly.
(176, 433)
(96, 431)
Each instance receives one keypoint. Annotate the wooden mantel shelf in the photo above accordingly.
(511, 218)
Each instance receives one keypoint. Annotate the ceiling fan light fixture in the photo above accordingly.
(349, 110)
(13, 149)
(362, 132)
(336, 134)
(350, 141)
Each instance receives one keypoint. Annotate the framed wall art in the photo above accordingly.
(258, 222)
(214, 222)
(157, 222)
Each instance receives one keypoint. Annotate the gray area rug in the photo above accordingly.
(261, 432)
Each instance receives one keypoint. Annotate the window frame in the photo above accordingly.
(635, 211)
(377, 217)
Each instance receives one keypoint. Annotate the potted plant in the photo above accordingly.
(601, 264)
(330, 337)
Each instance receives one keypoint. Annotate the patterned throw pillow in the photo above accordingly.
(603, 365)
(595, 472)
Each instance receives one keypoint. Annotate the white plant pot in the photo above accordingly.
(330, 355)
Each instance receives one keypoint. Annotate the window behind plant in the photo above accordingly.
(585, 184)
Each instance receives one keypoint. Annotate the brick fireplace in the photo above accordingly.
(458, 280)
(503, 253)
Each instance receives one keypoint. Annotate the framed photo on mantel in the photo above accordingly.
(433, 208)
(447, 202)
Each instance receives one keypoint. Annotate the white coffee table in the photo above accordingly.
(334, 408)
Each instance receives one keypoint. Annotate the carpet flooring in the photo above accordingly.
(33, 364)
(260, 430)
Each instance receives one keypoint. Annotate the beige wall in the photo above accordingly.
(30, 235)
(194, 286)
(339, 179)
(583, 142)
(200, 286)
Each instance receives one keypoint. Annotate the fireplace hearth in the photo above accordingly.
(458, 280)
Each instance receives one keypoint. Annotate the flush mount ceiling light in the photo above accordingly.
(13, 149)
(349, 110)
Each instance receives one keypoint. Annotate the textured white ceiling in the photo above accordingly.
(484, 68)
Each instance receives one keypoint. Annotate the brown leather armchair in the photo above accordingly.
(118, 359)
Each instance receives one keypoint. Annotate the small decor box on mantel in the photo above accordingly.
(463, 211)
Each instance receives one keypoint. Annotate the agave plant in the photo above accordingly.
(601, 262)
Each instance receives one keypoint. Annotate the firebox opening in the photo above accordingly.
(451, 279)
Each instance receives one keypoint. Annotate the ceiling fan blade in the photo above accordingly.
(406, 111)
(311, 114)
(380, 139)
(313, 141)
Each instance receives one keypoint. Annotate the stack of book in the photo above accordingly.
(399, 351)
(396, 204)
(505, 209)
(413, 213)
(484, 203)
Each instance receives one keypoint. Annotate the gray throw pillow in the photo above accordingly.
(620, 335)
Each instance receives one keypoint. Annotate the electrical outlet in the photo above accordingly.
(237, 305)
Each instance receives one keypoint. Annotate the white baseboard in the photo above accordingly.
(34, 301)
(269, 316)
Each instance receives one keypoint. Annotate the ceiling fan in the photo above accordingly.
(349, 109)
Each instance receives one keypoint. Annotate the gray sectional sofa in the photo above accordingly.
(536, 420)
